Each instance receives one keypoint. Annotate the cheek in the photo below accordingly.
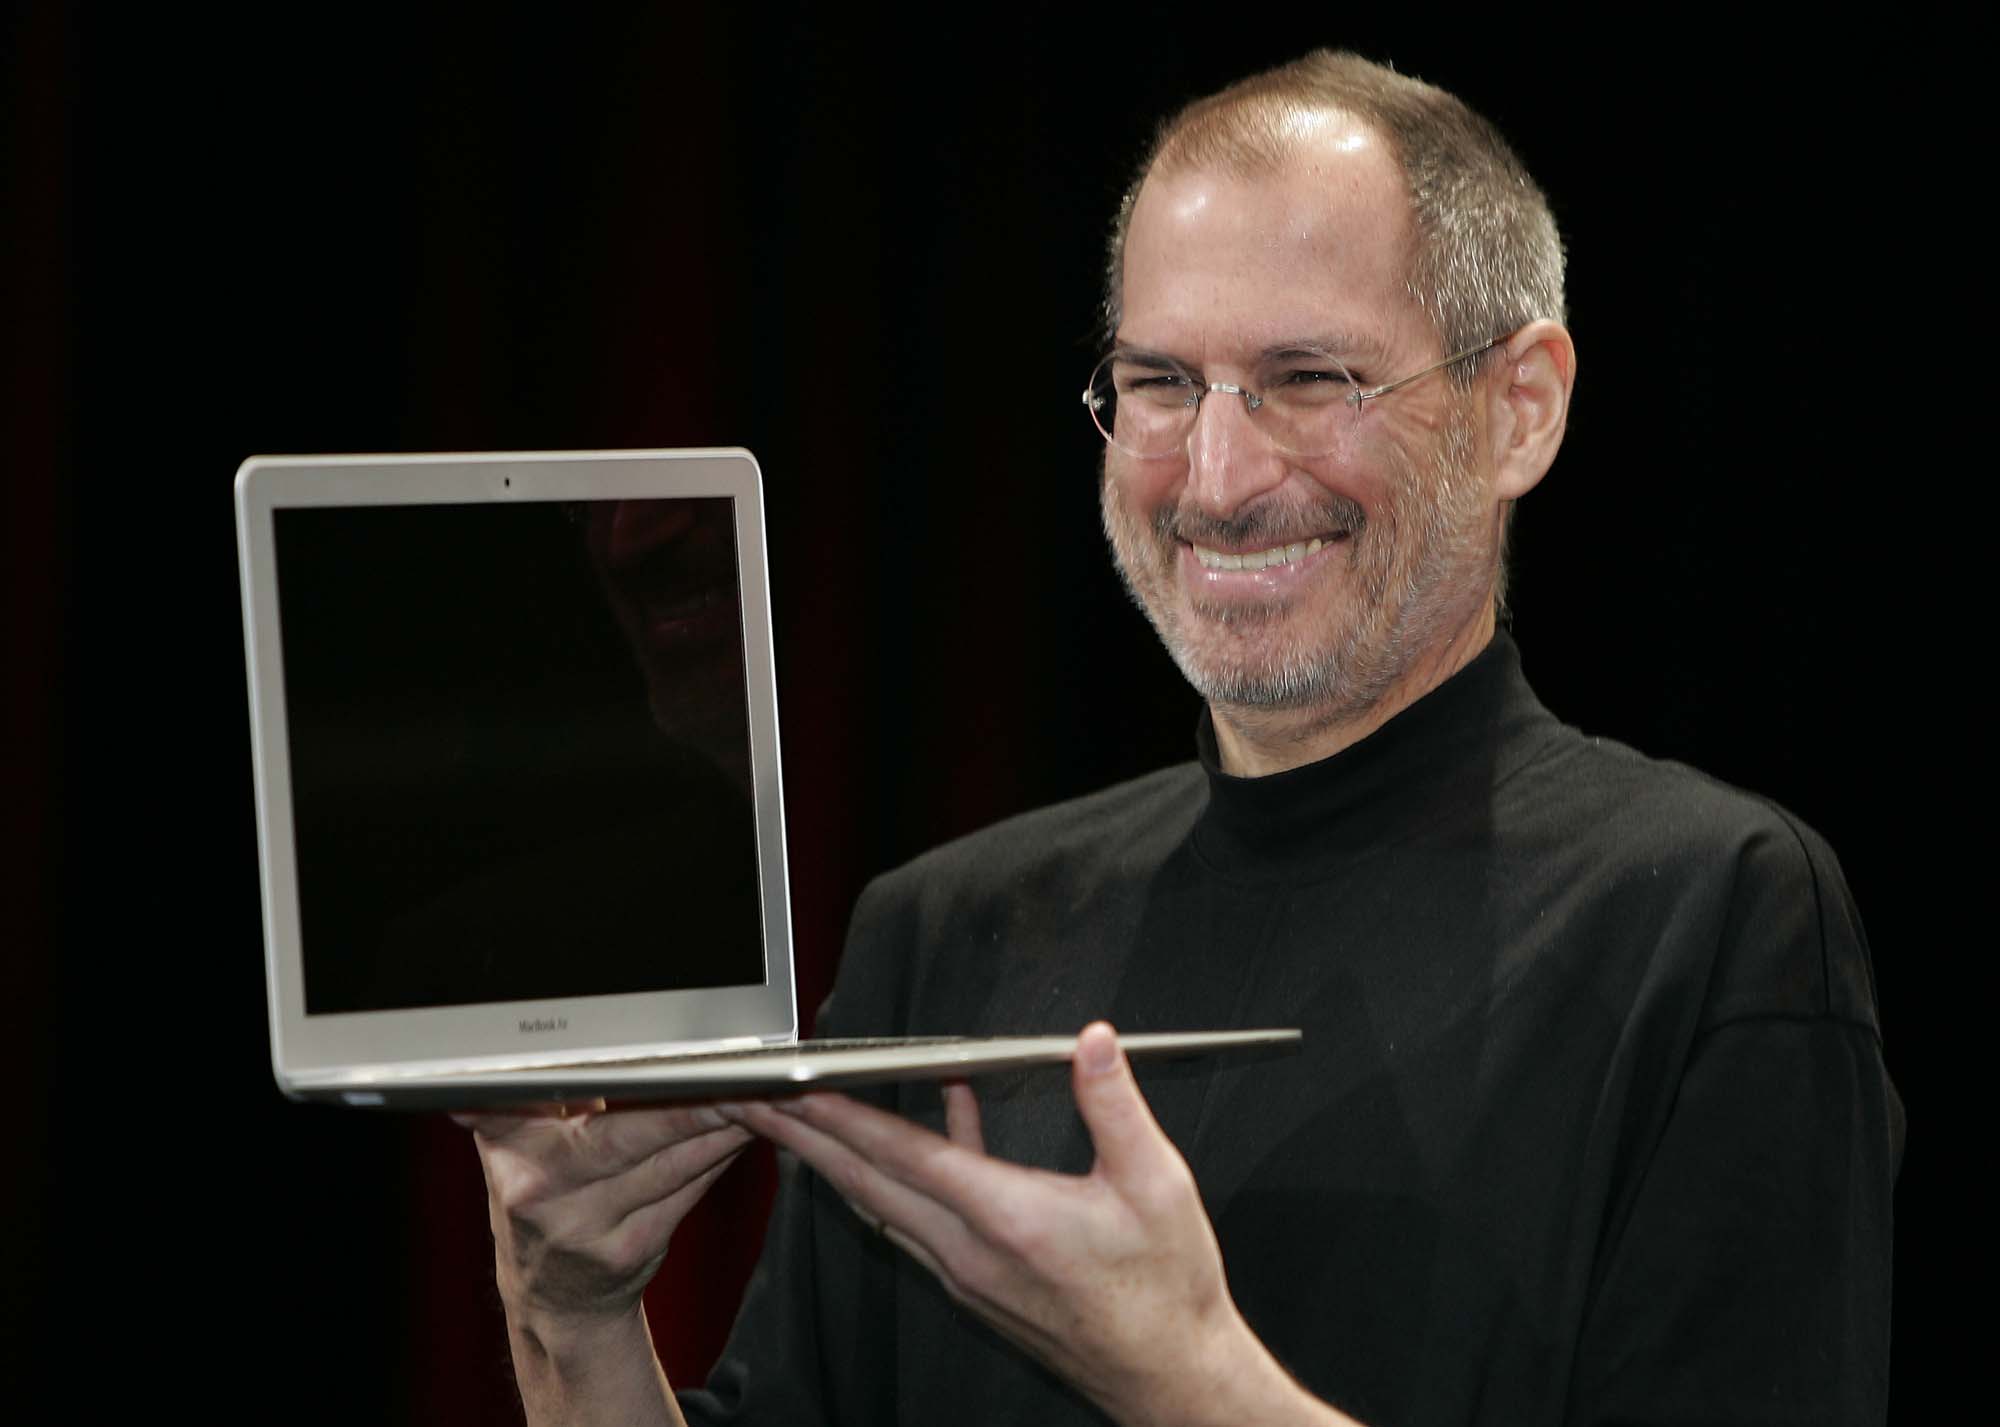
(1412, 461)
(1142, 488)
(1409, 431)
(1368, 478)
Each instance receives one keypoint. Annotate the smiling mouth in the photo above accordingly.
(1265, 559)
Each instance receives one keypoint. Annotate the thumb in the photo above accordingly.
(1122, 1129)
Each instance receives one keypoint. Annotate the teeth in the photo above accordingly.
(1257, 559)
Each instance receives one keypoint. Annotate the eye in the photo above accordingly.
(1163, 386)
(1312, 376)
(1309, 383)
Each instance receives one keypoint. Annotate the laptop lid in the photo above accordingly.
(514, 727)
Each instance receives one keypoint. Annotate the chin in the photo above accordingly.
(1278, 672)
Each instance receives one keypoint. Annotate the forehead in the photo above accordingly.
(1216, 258)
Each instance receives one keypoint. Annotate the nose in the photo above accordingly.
(1230, 460)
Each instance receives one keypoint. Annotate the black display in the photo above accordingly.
(520, 751)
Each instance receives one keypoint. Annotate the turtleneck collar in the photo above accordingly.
(1441, 755)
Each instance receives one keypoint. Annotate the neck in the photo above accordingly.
(1253, 742)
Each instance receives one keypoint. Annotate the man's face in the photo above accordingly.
(1220, 271)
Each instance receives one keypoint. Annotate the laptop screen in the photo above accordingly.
(520, 751)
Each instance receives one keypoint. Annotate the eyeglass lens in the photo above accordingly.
(1146, 405)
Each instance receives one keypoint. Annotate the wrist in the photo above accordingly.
(562, 1336)
(588, 1367)
(1232, 1378)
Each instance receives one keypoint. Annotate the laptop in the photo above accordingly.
(520, 820)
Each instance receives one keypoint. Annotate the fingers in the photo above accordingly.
(1128, 1140)
(956, 1174)
(961, 1117)
(602, 1142)
(626, 1137)
(649, 1224)
(668, 1172)
(888, 1170)
(495, 1123)
(585, 1175)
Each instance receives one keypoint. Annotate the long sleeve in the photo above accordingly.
(1750, 1281)
(1747, 1277)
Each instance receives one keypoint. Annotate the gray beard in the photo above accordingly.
(1398, 613)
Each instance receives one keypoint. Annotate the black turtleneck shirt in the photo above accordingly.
(1590, 1124)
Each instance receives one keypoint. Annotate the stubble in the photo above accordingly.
(1412, 568)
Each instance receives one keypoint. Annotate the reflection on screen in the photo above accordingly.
(520, 751)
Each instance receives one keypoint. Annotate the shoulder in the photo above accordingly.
(997, 902)
(1664, 844)
(1086, 839)
(1603, 785)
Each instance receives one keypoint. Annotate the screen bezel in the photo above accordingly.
(365, 1045)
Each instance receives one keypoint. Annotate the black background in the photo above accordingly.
(869, 250)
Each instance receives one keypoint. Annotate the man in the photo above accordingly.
(1591, 1123)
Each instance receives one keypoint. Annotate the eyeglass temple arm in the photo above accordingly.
(1374, 391)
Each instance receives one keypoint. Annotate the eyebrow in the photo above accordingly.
(1333, 344)
(1147, 357)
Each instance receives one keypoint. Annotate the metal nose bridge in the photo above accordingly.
(1251, 400)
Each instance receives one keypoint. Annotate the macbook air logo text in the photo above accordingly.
(531, 1024)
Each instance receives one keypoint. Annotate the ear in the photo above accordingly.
(1528, 405)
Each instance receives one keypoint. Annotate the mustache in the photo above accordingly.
(1274, 522)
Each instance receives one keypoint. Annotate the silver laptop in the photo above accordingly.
(515, 734)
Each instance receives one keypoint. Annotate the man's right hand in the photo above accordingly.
(582, 1203)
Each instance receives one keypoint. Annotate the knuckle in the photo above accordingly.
(848, 1180)
(519, 1185)
(962, 1292)
(534, 1228)
(969, 1277)
(1020, 1232)
(630, 1251)
(664, 1169)
(1157, 1196)
(1172, 1191)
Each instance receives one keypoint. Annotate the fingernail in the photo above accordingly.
(1098, 1053)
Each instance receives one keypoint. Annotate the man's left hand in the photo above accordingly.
(1113, 1278)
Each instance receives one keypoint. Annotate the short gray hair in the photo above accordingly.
(1486, 259)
